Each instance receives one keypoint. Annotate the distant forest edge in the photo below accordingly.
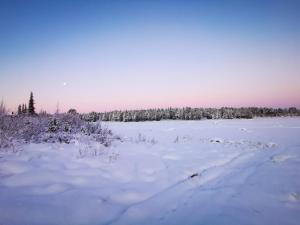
(188, 113)
(185, 113)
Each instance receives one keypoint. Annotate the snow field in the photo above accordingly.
(166, 172)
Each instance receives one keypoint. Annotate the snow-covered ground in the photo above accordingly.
(167, 172)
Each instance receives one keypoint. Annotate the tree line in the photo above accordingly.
(185, 113)
(188, 113)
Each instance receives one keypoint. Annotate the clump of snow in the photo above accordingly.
(294, 197)
(281, 158)
(271, 145)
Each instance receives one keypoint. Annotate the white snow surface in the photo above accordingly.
(166, 172)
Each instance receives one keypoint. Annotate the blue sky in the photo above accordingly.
(104, 55)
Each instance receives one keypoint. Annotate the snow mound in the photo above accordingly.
(281, 158)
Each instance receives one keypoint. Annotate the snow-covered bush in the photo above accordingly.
(22, 128)
(31, 128)
(69, 123)
(60, 128)
(5, 141)
(7, 131)
(65, 127)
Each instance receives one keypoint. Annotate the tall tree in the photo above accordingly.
(31, 109)
(19, 110)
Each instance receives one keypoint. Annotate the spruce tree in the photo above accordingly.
(31, 109)
(19, 110)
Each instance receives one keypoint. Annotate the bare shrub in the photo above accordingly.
(143, 139)
(3, 110)
(99, 133)
(88, 147)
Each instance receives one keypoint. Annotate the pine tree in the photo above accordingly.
(25, 109)
(31, 109)
(19, 110)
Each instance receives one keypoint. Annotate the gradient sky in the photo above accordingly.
(106, 55)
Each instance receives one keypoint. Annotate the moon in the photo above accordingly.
(64, 83)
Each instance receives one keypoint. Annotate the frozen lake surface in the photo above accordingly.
(166, 172)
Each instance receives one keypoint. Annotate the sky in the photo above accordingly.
(112, 54)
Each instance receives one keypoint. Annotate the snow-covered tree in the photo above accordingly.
(73, 111)
(31, 108)
(19, 110)
(188, 113)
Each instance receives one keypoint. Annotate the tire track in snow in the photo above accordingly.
(200, 175)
